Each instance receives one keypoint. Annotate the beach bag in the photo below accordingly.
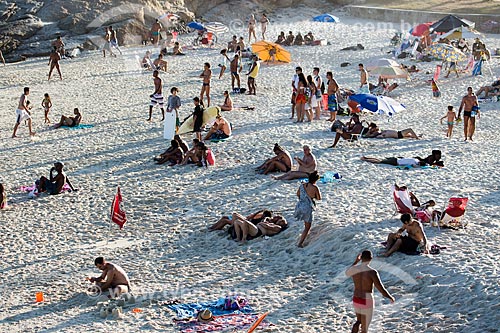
(210, 157)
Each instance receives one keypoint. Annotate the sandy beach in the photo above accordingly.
(48, 244)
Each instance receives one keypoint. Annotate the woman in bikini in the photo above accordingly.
(301, 99)
(70, 121)
(251, 28)
(46, 104)
(255, 218)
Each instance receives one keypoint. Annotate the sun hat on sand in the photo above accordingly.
(205, 316)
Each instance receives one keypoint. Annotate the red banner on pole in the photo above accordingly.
(117, 213)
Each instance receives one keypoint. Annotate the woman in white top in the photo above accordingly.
(251, 28)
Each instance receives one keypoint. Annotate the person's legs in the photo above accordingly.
(409, 133)
(59, 70)
(50, 70)
(202, 92)
(371, 159)
(207, 93)
(355, 327)
(29, 127)
(150, 112)
(472, 127)
(254, 87)
(222, 69)
(394, 247)
(450, 131)
(466, 127)
(275, 166)
(232, 81)
(248, 228)
(209, 134)
(291, 175)
(15, 129)
(219, 225)
(237, 229)
(307, 227)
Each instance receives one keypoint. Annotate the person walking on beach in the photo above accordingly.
(157, 96)
(235, 69)
(306, 205)
(113, 278)
(22, 112)
(252, 75)
(113, 40)
(107, 44)
(155, 32)
(54, 62)
(363, 88)
(450, 117)
(365, 278)
(264, 21)
(471, 108)
(205, 88)
(251, 28)
(332, 90)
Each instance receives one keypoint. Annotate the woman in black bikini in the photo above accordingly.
(70, 121)
(255, 218)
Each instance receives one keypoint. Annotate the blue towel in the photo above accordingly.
(190, 310)
(81, 126)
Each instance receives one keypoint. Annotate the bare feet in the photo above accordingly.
(32, 133)
(149, 119)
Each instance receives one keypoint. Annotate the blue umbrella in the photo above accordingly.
(377, 104)
(326, 18)
(196, 25)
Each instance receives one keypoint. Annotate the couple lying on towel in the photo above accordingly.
(432, 160)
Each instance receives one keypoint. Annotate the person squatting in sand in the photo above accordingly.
(113, 278)
(410, 238)
(365, 278)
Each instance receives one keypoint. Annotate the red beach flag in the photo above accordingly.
(117, 213)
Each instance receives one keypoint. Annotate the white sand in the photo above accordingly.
(48, 244)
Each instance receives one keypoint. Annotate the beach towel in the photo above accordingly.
(190, 310)
(408, 167)
(477, 70)
(221, 324)
(328, 177)
(81, 126)
(32, 189)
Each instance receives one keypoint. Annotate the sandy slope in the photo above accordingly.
(49, 244)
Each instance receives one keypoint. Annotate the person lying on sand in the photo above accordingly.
(113, 278)
(228, 102)
(374, 132)
(307, 165)
(409, 238)
(255, 218)
(54, 184)
(349, 131)
(70, 121)
(395, 161)
(434, 159)
(493, 88)
(197, 156)
(281, 162)
(268, 227)
(173, 155)
(220, 129)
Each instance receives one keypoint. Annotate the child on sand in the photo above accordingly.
(451, 116)
(46, 104)
(173, 104)
(198, 117)
(305, 207)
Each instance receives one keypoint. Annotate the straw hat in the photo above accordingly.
(205, 316)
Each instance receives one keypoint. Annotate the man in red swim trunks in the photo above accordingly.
(364, 278)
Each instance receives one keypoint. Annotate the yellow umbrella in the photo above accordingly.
(268, 51)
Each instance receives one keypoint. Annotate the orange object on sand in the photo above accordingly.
(39, 297)
(136, 310)
(325, 102)
(257, 322)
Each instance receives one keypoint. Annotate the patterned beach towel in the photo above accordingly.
(190, 310)
(221, 324)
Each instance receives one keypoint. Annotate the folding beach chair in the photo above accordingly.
(402, 201)
(454, 213)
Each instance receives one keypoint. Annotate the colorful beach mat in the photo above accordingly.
(81, 126)
(190, 310)
(221, 324)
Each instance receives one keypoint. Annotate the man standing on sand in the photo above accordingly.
(295, 87)
(319, 94)
(364, 278)
(234, 67)
(54, 62)
(252, 75)
(22, 112)
(363, 88)
(307, 165)
(471, 108)
(113, 278)
(113, 40)
(157, 96)
(59, 44)
(155, 32)
(205, 88)
(332, 90)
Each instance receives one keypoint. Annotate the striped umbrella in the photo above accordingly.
(216, 27)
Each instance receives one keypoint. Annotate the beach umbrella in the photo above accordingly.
(390, 72)
(196, 25)
(420, 29)
(450, 22)
(381, 63)
(216, 27)
(461, 32)
(326, 18)
(381, 105)
(266, 50)
(446, 52)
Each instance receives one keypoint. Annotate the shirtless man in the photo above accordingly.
(221, 129)
(281, 162)
(54, 62)
(205, 88)
(332, 90)
(155, 32)
(408, 238)
(235, 67)
(251, 28)
(54, 184)
(107, 44)
(307, 164)
(113, 40)
(268, 227)
(363, 88)
(469, 102)
(392, 134)
(160, 64)
(59, 44)
(365, 278)
(22, 112)
(157, 96)
(113, 278)
(354, 127)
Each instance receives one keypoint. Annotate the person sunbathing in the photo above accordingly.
(349, 131)
(392, 134)
(299, 40)
(255, 218)
(220, 129)
(408, 239)
(174, 154)
(54, 184)
(434, 159)
(268, 227)
(492, 89)
(70, 121)
(281, 162)
(307, 165)
(395, 161)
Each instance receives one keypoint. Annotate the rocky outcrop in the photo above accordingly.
(28, 27)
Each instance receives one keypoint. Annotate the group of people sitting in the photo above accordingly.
(180, 153)
(152, 65)
(244, 228)
(295, 40)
